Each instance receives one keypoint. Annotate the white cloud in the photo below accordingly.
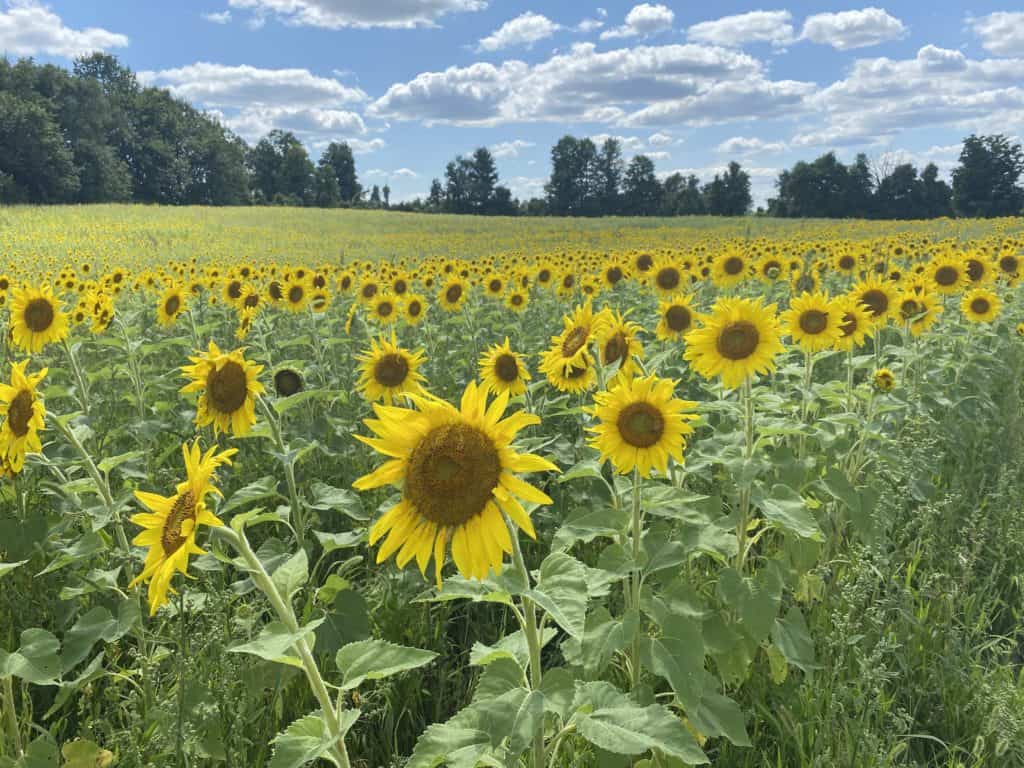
(745, 146)
(29, 28)
(853, 29)
(218, 18)
(642, 21)
(659, 139)
(589, 25)
(755, 27)
(364, 147)
(361, 14)
(632, 144)
(510, 148)
(1001, 33)
(402, 173)
(253, 123)
(582, 84)
(729, 100)
(522, 30)
(525, 187)
(656, 156)
(218, 85)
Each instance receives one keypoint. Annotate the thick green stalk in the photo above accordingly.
(298, 518)
(635, 580)
(747, 400)
(11, 716)
(82, 391)
(534, 640)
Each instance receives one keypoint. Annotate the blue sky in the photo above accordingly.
(411, 83)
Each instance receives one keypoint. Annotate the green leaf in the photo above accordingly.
(328, 498)
(259, 490)
(115, 461)
(562, 592)
(559, 687)
(529, 718)
(718, 715)
(97, 624)
(603, 636)
(755, 600)
(6, 568)
(859, 503)
(285, 404)
(777, 664)
(586, 468)
(678, 656)
(498, 678)
(86, 754)
(786, 509)
(589, 523)
(308, 739)
(36, 661)
(791, 636)
(334, 541)
(458, 743)
(376, 659)
(275, 642)
(619, 725)
(291, 575)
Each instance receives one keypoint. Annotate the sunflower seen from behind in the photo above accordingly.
(227, 385)
(172, 522)
(36, 318)
(458, 472)
(738, 339)
(388, 371)
(503, 370)
(23, 414)
(641, 425)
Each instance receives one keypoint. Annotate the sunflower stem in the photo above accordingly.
(805, 410)
(635, 580)
(11, 716)
(133, 371)
(746, 397)
(182, 655)
(297, 517)
(82, 391)
(285, 613)
(533, 631)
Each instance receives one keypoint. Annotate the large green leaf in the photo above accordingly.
(755, 601)
(678, 656)
(36, 661)
(602, 637)
(718, 715)
(291, 575)
(791, 636)
(786, 509)
(275, 643)
(376, 659)
(562, 592)
(308, 739)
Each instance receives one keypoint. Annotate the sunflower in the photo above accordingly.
(812, 321)
(171, 525)
(1009, 267)
(414, 308)
(668, 279)
(884, 380)
(172, 304)
(947, 275)
(1020, 329)
(919, 310)
(517, 300)
(980, 305)
(295, 294)
(618, 342)
(855, 323)
(578, 377)
(878, 296)
(729, 268)
(979, 269)
(287, 382)
(641, 425)
(494, 285)
(385, 309)
(676, 317)
(502, 370)
(456, 468)
(388, 371)
(453, 294)
(23, 413)
(614, 273)
(227, 384)
(738, 339)
(36, 318)
(570, 349)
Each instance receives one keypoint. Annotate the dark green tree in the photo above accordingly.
(641, 192)
(985, 182)
(340, 158)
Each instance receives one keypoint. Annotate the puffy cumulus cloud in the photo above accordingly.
(853, 29)
(401, 173)
(727, 101)
(755, 27)
(659, 139)
(643, 20)
(28, 28)
(252, 123)
(217, 85)
(1001, 33)
(510, 148)
(223, 17)
(744, 146)
(581, 84)
(633, 144)
(522, 30)
(525, 187)
(881, 97)
(658, 155)
(338, 14)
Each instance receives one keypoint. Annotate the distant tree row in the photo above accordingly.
(95, 135)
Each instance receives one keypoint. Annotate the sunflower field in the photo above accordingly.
(285, 488)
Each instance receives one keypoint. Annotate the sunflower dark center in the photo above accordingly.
(415, 308)
(847, 262)
(975, 270)
(19, 413)
(184, 508)
(346, 283)
(738, 340)
(517, 300)
(507, 368)
(575, 372)
(227, 388)
(614, 274)
(319, 281)
(275, 291)
(909, 308)
(1009, 264)
(235, 289)
(877, 302)
(574, 340)
(400, 286)
(678, 318)
(385, 309)
(295, 294)
(39, 315)
(733, 265)
(368, 291)
(391, 370)
(568, 281)
(544, 275)
(615, 348)
(849, 324)
(172, 305)
(287, 382)
(644, 262)
(453, 294)
(668, 278)
(494, 286)
(641, 425)
(980, 306)
(252, 300)
(946, 275)
(452, 474)
(813, 321)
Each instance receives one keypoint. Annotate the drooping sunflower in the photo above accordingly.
(453, 294)
(570, 349)
(919, 311)
(884, 380)
(456, 468)
(172, 304)
(676, 317)
(23, 416)
(618, 343)
(812, 321)
(171, 525)
(641, 425)
(36, 318)
(228, 385)
(578, 377)
(388, 371)
(855, 322)
(737, 340)
(503, 370)
(879, 296)
(287, 382)
(981, 305)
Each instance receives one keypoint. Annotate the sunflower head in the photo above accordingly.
(172, 303)
(676, 317)
(980, 305)
(618, 343)
(36, 318)
(457, 471)
(1020, 330)
(884, 380)
(388, 371)
(287, 382)
(23, 415)
(813, 322)
(228, 386)
(855, 323)
(737, 340)
(503, 370)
